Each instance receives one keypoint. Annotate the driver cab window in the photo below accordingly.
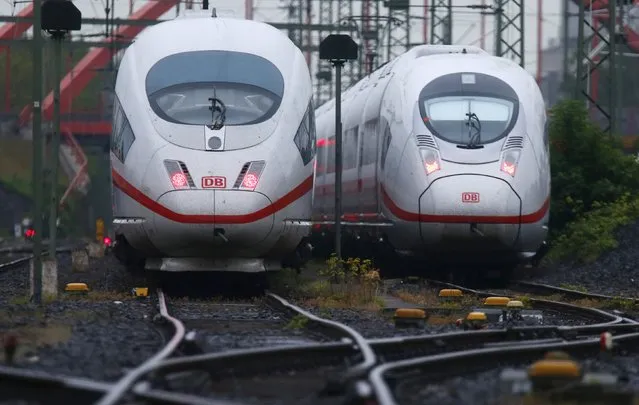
(179, 87)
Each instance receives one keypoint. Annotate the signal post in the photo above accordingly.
(57, 18)
(338, 49)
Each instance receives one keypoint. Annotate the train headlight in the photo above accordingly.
(431, 160)
(249, 176)
(178, 174)
(509, 162)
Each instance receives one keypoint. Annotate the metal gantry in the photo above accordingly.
(509, 29)
(441, 22)
(324, 72)
(370, 36)
(595, 59)
(398, 34)
(350, 73)
(296, 15)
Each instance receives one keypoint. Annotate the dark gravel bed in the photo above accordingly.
(614, 273)
(95, 336)
(485, 388)
(239, 325)
(278, 388)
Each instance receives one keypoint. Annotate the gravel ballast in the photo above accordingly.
(227, 325)
(98, 336)
(484, 388)
(615, 273)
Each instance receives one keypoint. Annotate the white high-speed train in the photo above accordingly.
(445, 158)
(213, 147)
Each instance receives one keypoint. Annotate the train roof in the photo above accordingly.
(200, 32)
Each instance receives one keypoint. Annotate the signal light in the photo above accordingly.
(107, 241)
(29, 233)
(431, 160)
(509, 162)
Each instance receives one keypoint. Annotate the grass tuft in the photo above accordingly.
(350, 283)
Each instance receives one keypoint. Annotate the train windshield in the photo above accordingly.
(472, 110)
(180, 86)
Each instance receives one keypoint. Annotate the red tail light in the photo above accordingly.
(249, 176)
(509, 162)
(107, 241)
(178, 174)
(431, 160)
(29, 233)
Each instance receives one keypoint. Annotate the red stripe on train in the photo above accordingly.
(462, 219)
(292, 196)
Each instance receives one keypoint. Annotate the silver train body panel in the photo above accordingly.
(448, 199)
(190, 196)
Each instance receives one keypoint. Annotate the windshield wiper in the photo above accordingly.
(474, 138)
(218, 113)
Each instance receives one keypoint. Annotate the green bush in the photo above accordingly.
(594, 185)
(590, 235)
(587, 165)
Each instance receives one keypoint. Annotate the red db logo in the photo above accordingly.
(214, 182)
(470, 197)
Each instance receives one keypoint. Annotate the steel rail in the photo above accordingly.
(337, 329)
(566, 292)
(264, 360)
(14, 263)
(610, 319)
(28, 249)
(122, 387)
(17, 262)
(162, 397)
(441, 366)
(59, 389)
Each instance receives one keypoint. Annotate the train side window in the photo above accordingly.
(127, 137)
(305, 136)
(312, 129)
(360, 160)
(330, 155)
(116, 129)
(122, 136)
(385, 144)
(369, 142)
(350, 148)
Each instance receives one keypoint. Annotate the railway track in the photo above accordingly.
(308, 356)
(464, 353)
(10, 262)
(376, 367)
(7, 264)
(253, 362)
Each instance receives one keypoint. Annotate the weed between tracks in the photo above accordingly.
(352, 283)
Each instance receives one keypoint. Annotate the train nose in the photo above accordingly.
(218, 221)
(470, 206)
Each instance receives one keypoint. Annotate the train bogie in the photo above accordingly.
(213, 147)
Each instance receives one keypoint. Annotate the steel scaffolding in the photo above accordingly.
(509, 29)
(441, 22)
